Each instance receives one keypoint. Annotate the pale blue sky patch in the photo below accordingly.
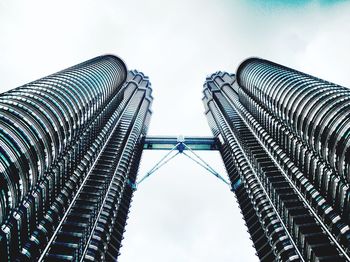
(272, 4)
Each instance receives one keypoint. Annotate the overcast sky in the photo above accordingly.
(181, 213)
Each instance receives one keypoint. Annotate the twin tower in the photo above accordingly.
(71, 143)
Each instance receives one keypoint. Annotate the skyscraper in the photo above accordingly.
(70, 149)
(284, 137)
(71, 144)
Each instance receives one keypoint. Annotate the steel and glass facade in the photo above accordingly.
(71, 144)
(285, 140)
(70, 147)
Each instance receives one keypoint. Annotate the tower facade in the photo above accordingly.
(70, 146)
(284, 138)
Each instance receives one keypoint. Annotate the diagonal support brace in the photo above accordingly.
(160, 163)
(180, 146)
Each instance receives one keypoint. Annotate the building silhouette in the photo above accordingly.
(71, 144)
(284, 138)
(70, 150)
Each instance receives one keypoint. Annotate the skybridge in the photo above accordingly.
(181, 145)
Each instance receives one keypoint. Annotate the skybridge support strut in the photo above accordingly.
(178, 145)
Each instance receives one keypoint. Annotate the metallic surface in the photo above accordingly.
(276, 148)
(70, 144)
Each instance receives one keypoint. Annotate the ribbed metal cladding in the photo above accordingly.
(86, 220)
(280, 245)
(70, 148)
(40, 119)
(315, 110)
(283, 180)
(306, 118)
